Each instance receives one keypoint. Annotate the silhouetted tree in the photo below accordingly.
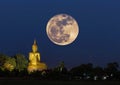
(21, 62)
(9, 64)
(61, 68)
(111, 69)
(2, 60)
(98, 71)
(83, 71)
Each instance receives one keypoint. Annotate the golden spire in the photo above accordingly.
(34, 46)
(35, 42)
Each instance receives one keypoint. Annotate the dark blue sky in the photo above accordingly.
(98, 42)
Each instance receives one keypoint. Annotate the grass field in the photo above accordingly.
(41, 82)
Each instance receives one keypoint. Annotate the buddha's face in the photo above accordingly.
(34, 48)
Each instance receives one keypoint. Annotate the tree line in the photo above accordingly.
(17, 62)
(16, 66)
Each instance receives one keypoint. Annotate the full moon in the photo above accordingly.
(62, 29)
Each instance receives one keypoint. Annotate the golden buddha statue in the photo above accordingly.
(34, 60)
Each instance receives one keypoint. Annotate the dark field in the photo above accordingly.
(46, 82)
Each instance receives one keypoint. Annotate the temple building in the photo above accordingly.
(35, 63)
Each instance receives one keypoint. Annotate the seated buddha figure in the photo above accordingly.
(34, 60)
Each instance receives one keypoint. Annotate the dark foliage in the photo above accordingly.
(82, 72)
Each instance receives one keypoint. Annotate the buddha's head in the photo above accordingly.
(34, 47)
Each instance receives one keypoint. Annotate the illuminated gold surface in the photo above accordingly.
(34, 60)
(8, 66)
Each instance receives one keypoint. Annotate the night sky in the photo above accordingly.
(22, 21)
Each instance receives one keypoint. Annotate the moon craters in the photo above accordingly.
(62, 29)
(58, 35)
